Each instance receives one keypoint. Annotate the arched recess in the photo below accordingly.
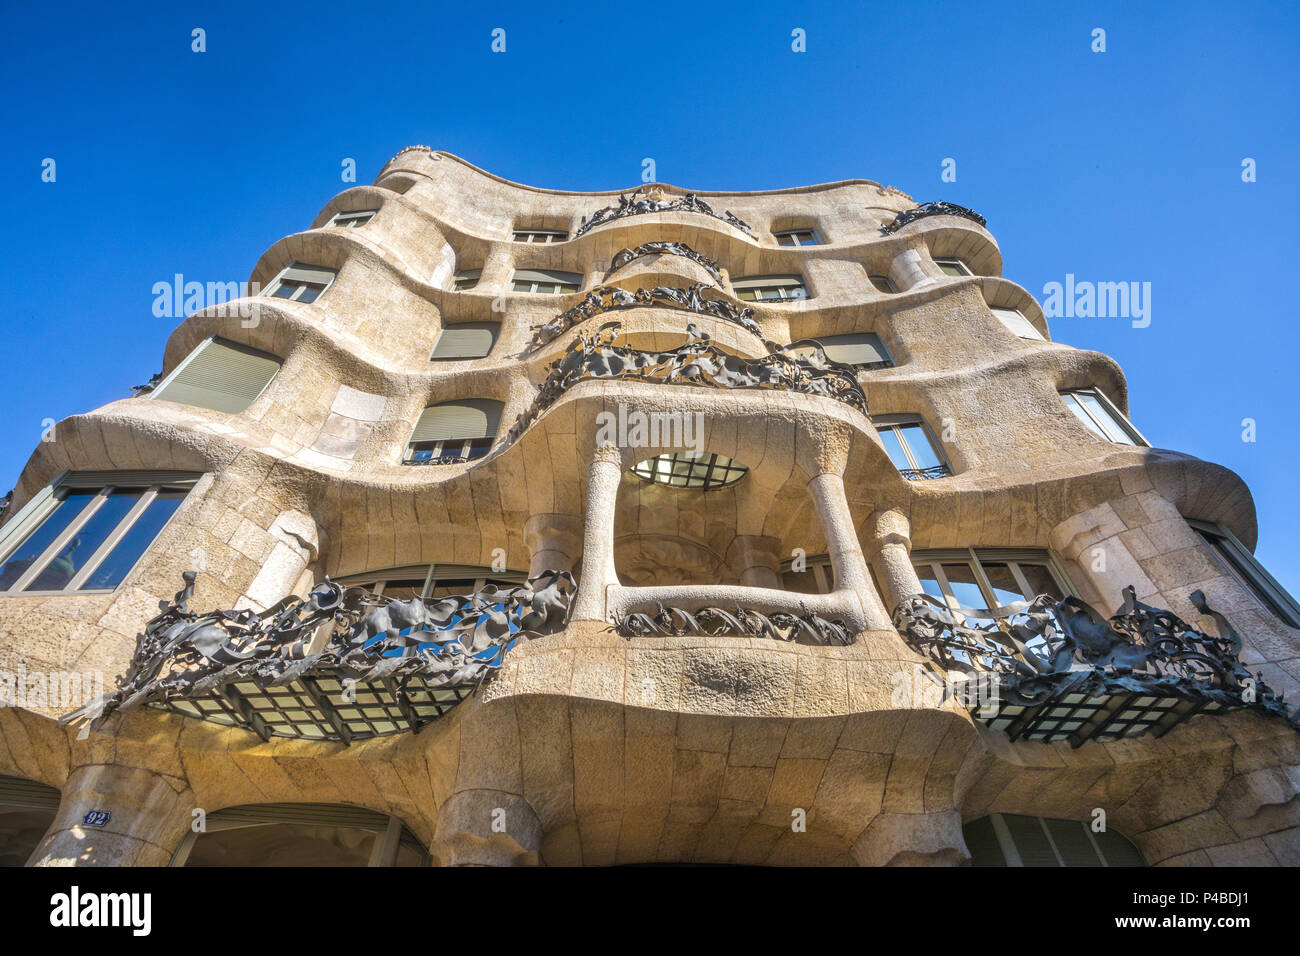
(1012, 839)
(27, 808)
(300, 834)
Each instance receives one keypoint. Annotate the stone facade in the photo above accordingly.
(592, 747)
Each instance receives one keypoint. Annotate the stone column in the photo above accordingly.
(554, 542)
(756, 559)
(497, 269)
(149, 815)
(847, 562)
(893, 559)
(598, 573)
(487, 828)
(912, 839)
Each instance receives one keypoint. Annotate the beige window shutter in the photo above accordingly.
(541, 275)
(220, 375)
(855, 348)
(469, 418)
(1016, 322)
(465, 340)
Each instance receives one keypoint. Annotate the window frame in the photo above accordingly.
(1034, 336)
(552, 236)
(281, 280)
(42, 506)
(1119, 418)
(763, 283)
(811, 231)
(464, 276)
(881, 422)
(1243, 567)
(887, 362)
(494, 328)
(893, 286)
(942, 261)
(976, 557)
(539, 277)
(347, 220)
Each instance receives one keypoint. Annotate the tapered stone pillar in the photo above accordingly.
(891, 533)
(148, 816)
(598, 573)
(847, 561)
(487, 828)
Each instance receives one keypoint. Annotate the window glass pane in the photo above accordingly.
(1040, 580)
(1114, 431)
(1072, 403)
(884, 283)
(918, 442)
(1005, 588)
(285, 290)
(77, 552)
(746, 295)
(893, 448)
(40, 539)
(135, 542)
(961, 578)
(952, 269)
(929, 583)
(309, 293)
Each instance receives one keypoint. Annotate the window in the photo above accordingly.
(300, 283)
(816, 575)
(454, 432)
(1237, 560)
(1016, 323)
(884, 284)
(770, 288)
(985, 578)
(1102, 418)
(909, 445)
(797, 237)
(465, 280)
(437, 580)
(221, 375)
(953, 267)
(545, 282)
(1006, 839)
(688, 469)
(86, 531)
(539, 235)
(863, 349)
(465, 340)
(350, 220)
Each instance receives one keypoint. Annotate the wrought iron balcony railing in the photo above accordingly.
(931, 209)
(613, 299)
(924, 474)
(624, 256)
(643, 201)
(387, 665)
(1061, 671)
(696, 362)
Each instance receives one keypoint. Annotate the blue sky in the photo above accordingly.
(1115, 166)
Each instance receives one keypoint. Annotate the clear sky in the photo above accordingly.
(1117, 166)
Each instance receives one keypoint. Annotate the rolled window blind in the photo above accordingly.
(305, 272)
(855, 348)
(465, 340)
(220, 375)
(546, 275)
(1017, 323)
(469, 418)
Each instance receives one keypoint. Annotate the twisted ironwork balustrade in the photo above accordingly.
(643, 201)
(931, 209)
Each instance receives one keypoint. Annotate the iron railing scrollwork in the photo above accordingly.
(924, 474)
(931, 209)
(624, 256)
(695, 362)
(805, 628)
(643, 201)
(1059, 663)
(612, 299)
(411, 659)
